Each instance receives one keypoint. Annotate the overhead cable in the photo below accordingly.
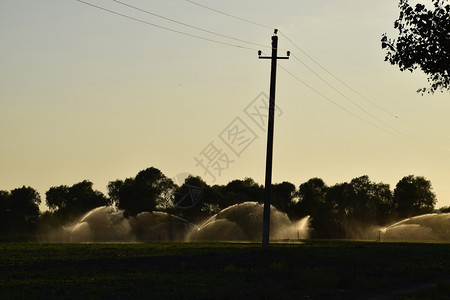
(188, 25)
(402, 135)
(230, 15)
(300, 49)
(163, 27)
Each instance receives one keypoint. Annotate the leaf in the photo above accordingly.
(419, 7)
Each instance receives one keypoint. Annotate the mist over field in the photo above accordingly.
(240, 222)
(151, 207)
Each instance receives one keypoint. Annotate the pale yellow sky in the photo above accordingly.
(86, 94)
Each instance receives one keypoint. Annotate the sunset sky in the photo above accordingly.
(86, 93)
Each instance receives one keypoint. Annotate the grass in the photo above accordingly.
(314, 269)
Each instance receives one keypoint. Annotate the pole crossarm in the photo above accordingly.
(279, 57)
(269, 155)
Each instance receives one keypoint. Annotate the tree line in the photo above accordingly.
(338, 211)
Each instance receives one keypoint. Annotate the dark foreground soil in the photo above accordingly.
(308, 270)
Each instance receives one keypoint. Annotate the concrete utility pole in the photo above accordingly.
(269, 154)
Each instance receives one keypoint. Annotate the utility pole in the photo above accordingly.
(269, 153)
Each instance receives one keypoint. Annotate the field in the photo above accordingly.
(312, 269)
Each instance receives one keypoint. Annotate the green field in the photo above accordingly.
(313, 270)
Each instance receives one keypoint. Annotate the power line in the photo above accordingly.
(326, 82)
(298, 47)
(312, 59)
(333, 102)
(357, 93)
(188, 25)
(350, 100)
(398, 132)
(401, 135)
(230, 15)
(250, 48)
(337, 78)
(163, 27)
(348, 111)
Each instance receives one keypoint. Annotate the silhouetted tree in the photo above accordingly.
(372, 202)
(86, 198)
(4, 197)
(283, 195)
(118, 189)
(311, 194)
(444, 209)
(349, 209)
(19, 211)
(423, 42)
(239, 191)
(213, 199)
(142, 193)
(334, 213)
(24, 209)
(195, 200)
(50, 228)
(413, 196)
(71, 202)
(58, 199)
